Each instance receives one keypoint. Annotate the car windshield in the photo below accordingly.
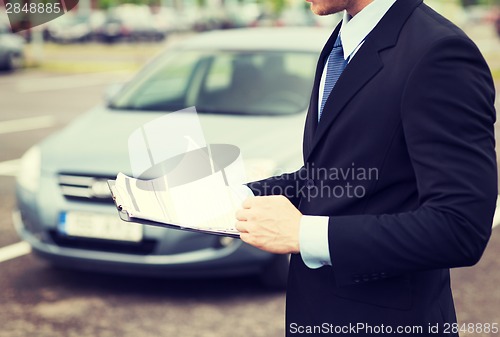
(225, 82)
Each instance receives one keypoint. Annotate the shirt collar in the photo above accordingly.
(355, 29)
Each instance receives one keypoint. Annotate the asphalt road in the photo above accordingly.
(38, 300)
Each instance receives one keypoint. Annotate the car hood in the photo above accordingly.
(97, 142)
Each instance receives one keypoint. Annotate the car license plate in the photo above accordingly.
(99, 226)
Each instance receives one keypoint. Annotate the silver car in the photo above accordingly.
(11, 48)
(251, 88)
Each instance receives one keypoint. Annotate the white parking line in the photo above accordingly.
(13, 251)
(9, 167)
(26, 124)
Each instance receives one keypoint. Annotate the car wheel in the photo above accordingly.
(15, 61)
(109, 39)
(159, 37)
(275, 274)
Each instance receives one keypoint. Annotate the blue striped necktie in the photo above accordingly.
(335, 67)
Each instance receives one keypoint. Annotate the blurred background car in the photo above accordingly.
(213, 19)
(265, 19)
(295, 17)
(244, 14)
(130, 23)
(251, 88)
(168, 20)
(73, 28)
(11, 48)
(69, 28)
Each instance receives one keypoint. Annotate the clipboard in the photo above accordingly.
(124, 214)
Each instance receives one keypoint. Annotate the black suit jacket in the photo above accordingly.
(415, 107)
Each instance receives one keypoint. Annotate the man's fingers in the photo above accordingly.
(242, 214)
(247, 238)
(248, 202)
(242, 226)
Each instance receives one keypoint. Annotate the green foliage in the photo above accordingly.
(104, 4)
(201, 3)
(276, 5)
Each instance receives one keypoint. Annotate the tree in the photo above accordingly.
(276, 5)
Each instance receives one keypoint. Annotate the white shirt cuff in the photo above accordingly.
(314, 247)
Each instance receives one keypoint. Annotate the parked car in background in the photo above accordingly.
(242, 15)
(69, 28)
(129, 23)
(295, 17)
(11, 48)
(166, 20)
(265, 19)
(251, 88)
(169, 19)
(211, 19)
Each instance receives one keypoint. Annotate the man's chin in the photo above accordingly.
(321, 11)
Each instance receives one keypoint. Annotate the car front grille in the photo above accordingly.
(88, 188)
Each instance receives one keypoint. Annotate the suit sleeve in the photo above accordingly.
(289, 185)
(447, 116)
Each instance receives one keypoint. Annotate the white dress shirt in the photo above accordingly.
(314, 247)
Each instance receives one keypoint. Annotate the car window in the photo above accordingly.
(163, 88)
(219, 76)
(223, 82)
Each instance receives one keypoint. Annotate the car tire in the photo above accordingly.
(275, 274)
(15, 61)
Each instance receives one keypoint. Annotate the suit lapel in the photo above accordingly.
(363, 67)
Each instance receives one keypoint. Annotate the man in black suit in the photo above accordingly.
(399, 179)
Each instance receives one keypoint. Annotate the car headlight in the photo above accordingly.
(28, 176)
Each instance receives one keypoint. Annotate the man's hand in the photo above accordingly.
(270, 223)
